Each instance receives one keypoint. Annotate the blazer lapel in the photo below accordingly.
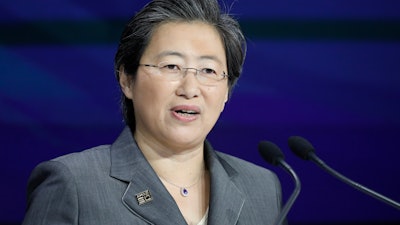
(145, 196)
(226, 200)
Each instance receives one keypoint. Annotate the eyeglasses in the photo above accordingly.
(174, 72)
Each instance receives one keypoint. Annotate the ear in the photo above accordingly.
(225, 100)
(126, 83)
(226, 96)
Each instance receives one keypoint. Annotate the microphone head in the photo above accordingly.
(270, 152)
(301, 147)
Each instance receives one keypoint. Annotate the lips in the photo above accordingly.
(186, 112)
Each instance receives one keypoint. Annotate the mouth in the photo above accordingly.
(186, 112)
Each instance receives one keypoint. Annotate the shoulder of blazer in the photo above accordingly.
(96, 157)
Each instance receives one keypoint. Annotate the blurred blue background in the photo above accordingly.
(325, 70)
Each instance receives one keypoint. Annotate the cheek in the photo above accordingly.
(151, 92)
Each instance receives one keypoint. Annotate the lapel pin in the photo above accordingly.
(144, 197)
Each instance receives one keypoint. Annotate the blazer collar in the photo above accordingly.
(128, 164)
(226, 200)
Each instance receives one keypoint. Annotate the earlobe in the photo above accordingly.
(225, 100)
(125, 82)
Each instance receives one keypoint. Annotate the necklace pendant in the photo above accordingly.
(184, 192)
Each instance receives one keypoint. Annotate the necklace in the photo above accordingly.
(183, 190)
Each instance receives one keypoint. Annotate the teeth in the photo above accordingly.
(186, 111)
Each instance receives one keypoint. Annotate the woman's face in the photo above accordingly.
(178, 114)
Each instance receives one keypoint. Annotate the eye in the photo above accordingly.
(170, 67)
(208, 71)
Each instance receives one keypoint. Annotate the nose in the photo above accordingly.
(189, 86)
(185, 71)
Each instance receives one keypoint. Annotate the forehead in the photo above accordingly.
(186, 40)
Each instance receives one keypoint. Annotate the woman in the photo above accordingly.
(177, 63)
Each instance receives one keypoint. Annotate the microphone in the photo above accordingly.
(273, 155)
(304, 149)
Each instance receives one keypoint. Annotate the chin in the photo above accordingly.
(187, 142)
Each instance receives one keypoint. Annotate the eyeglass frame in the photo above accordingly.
(183, 71)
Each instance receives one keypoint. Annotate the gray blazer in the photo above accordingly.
(115, 185)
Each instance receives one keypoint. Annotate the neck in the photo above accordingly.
(181, 167)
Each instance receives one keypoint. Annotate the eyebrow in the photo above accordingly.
(175, 53)
(169, 53)
(211, 57)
